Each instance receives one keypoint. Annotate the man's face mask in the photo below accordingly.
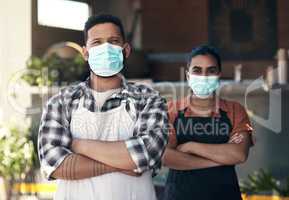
(203, 86)
(105, 59)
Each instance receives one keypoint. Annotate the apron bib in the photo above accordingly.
(214, 183)
(112, 125)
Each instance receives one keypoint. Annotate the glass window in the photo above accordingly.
(63, 14)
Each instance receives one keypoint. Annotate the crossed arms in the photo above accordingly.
(193, 155)
(62, 157)
(79, 166)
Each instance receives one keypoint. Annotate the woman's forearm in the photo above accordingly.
(182, 161)
(230, 153)
(227, 154)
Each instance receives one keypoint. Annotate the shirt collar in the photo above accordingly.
(84, 88)
(185, 106)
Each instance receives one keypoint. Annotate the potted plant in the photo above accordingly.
(263, 183)
(45, 77)
(16, 155)
(54, 70)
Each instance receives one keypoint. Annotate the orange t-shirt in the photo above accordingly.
(235, 112)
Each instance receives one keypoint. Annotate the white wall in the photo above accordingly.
(15, 47)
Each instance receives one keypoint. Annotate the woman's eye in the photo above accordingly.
(196, 71)
(213, 71)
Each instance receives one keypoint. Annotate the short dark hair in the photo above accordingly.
(102, 19)
(205, 49)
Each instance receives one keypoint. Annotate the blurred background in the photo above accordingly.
(41, 43)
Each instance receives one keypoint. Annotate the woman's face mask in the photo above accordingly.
(203, 86)
(106, 59)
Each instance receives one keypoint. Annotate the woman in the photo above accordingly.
(208, 138)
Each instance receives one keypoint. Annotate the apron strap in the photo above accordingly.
(130, 108)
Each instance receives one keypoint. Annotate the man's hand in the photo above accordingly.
(112, 153)
(131, 173)
(76, 148)
(75, 145)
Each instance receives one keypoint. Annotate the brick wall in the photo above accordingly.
(178, 25)
(283, 23)
(174, 25)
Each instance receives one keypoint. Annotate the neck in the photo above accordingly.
(202, 103)
(102, 84)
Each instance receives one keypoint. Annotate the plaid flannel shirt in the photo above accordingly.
(150, 133)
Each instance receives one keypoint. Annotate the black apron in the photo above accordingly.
(214, 183)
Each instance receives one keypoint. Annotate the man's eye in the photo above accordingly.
(114, 42)
(96, 43)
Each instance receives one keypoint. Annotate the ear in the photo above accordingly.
(85, 53)
(127, 50)
(187, 74)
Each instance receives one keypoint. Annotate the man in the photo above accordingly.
(102, 138)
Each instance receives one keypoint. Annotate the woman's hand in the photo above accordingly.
(186, 147)
(236, 139)
(235, 151)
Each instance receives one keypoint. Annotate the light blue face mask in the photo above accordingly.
(203, 86)
(105, 59)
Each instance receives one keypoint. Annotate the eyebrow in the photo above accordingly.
(94, 39)
(195, 67)
(112, 37)
(208, 68)
(118, 37)
(213, 66)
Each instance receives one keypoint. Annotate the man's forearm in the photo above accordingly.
(183, 161)
(111, 153)
(75, 167)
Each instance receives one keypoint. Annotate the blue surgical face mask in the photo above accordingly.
(105, 59)
(203, 86)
